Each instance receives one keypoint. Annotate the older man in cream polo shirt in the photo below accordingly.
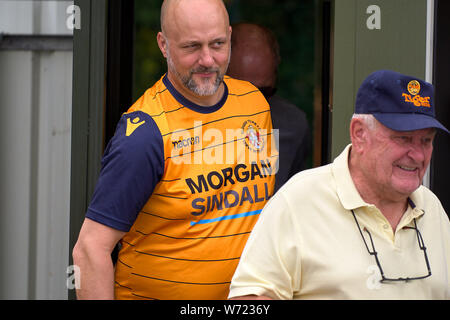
(362, 227)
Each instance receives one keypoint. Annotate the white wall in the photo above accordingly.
(34, 16)
(35, 131)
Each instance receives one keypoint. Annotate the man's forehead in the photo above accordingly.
(190, 36)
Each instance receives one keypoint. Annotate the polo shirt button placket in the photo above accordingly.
(386, 227)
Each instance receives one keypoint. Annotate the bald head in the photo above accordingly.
(254, 55)
(190, 9)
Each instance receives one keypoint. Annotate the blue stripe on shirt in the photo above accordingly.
(233, 216)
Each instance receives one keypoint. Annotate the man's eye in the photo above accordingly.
(218, 44)
(404, 139)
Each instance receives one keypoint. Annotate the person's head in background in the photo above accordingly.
(255, 56)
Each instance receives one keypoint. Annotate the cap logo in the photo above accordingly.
(414, 97)
(414, 87)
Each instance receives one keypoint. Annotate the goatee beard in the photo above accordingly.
(206, 88)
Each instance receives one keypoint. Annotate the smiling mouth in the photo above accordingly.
(410, 169)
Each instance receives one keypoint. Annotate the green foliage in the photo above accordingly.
(149, 63)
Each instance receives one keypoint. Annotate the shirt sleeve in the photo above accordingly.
(132, 165)
(270, 263)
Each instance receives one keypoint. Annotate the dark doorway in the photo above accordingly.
(440, 168)
(119, 66)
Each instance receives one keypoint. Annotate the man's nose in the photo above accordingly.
(417, 151)
(206, 57)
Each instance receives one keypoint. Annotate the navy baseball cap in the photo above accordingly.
(398, 101)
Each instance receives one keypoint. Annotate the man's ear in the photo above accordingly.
(358, 133)
(162, 43)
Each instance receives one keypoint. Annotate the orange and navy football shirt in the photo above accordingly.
(187, 184)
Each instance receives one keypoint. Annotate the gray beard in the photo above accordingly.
(206, 89)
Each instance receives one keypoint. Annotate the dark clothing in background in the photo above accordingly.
(294, 138)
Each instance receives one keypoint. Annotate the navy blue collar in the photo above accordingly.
(191, 105)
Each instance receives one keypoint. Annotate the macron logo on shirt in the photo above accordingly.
(133, 125)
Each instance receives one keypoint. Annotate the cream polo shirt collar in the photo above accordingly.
(350, 197)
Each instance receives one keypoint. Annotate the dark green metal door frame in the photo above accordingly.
(88, 106)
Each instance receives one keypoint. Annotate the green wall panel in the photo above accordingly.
(390, 35)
